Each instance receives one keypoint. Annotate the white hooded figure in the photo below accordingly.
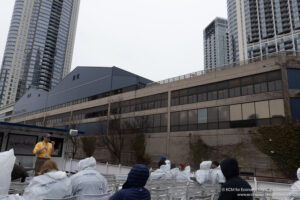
(7, 161)
(203, 175)
(295, 188)
(217, 176)
(53, 184)
(88, 181)
(164, 172)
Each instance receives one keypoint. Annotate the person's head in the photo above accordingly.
(137, 177)
(230, 168)
(87, 163)
(161, 162)
(49, 166)
(163, 158)
(46, 137)
(214, 164)
(182, 166)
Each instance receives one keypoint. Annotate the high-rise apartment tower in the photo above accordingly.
(216, 45)
(262, 27)
(39, 47)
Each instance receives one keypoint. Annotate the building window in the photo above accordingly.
(293, 78)
(212, 118)
(236, 112)
(247, 86)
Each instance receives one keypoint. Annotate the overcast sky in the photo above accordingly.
(157, 39)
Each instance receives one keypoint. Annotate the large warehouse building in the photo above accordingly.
(219, 106)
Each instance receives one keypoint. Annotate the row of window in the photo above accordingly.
(139, 104)
(78, 101)
(260, 83)
(94, 112)
(232, 116)
(145, 124)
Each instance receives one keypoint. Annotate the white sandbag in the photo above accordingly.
(11, 197)
(7, 161)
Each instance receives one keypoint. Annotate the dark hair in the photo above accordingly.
(215, 163)
(161, 162)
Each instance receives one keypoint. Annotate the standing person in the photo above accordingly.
(235, 188)
(43, 151)
(51, 184)
(133, 188)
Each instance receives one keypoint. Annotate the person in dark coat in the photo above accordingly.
(133, 188)
(235, 188)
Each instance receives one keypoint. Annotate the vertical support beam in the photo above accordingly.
(108, 117)
(169, 124)
(285, 88)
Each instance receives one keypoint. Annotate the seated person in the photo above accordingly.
(133, 188)
(18, 172)
(7, 160)
(174, 171)
(217, 176)
(50, 184)
(215, 164)
(204, 173)
(295, 188)
(163, 172)
(88, 180)
(184, 172)
(235, 187)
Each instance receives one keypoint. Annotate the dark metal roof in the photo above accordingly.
(81, 83)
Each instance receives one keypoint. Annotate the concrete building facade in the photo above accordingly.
(220, 107)
(39, 47)
(216, 44)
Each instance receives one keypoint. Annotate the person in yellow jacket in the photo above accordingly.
(43, 151)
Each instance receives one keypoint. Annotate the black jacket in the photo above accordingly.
(235, 188)
(133, 188)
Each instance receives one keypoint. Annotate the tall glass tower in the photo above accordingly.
(216, 46)
(39, 47)
(263, 27)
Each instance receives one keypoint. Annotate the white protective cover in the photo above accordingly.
(54, 184)
(7, 161)
(88, 181)
(11, 197)
(164, 172)
(217, 176)
(203, 175)
(295, 188)
(184, 175)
